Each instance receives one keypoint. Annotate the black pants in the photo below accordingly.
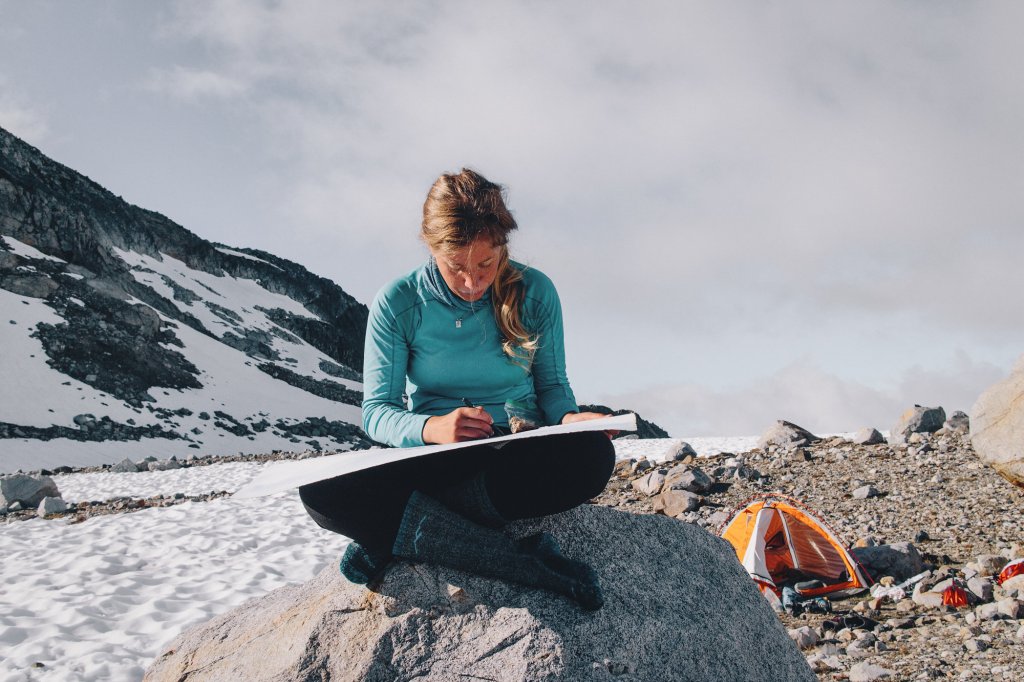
(524, 478)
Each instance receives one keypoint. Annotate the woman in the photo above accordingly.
(466, 334)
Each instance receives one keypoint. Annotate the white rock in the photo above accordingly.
(805, 637)
(1011, 608)
(650, 484)
(51, 505)
(866, 672)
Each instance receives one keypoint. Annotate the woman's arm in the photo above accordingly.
(554, 395)
(385, 361)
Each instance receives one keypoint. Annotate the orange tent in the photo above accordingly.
(780, 543)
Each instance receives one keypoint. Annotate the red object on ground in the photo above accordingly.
(1015, 567)
(954, 595)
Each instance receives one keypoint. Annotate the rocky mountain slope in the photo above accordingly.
(125, 334)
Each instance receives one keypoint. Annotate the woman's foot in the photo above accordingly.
(361, 565)
(583, 584)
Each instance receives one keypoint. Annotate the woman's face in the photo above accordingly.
(471, 270)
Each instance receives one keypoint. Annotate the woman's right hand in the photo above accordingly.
(461, 424)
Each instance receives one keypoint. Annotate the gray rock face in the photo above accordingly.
(997, 426)
(27, 490)
(786, 435)
(659, 621)
(917, 420)
(901, 560)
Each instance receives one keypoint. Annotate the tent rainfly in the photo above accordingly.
(781, 543)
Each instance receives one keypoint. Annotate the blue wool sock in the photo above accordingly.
(361, 565)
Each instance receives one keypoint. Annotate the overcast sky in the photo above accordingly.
(800, 210)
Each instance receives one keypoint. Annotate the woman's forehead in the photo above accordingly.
(481, 249)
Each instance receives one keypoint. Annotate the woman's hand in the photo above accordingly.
(586, 416)
(461, 424)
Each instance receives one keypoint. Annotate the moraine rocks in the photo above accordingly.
(942, 513)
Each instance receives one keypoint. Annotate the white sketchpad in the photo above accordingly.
(283, 476)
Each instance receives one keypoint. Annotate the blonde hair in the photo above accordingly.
(462, 208)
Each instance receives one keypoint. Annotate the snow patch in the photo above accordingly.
(26, 251)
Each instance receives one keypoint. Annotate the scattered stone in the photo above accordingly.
(981, 588)
(916, 420)
(958, 422)
(805, 637)
(786, 436)
(868, 436)
(125, 466)
(51, 505)
(988, 564)
(997, 426)
(688, 478)
(676, 502)
(868, 672)
(684, 451)
(1011, 608)
(864, 492)
(651, 483)
(975, 645)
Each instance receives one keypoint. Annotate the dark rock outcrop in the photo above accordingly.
(644, 428)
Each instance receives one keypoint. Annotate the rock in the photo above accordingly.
(164, 465)
(786, 435)
(409, 628)
(916, 420)
(988, 564)
(867, 672)
(980, 588)
(928, 599)
(683, 451)
(85, 420)
(805, 637)
(985, 612)
(32, 286)
(868, 436)
(651, 483)
(958, 422)
(1011, 608)
(688, 478)
(676, 502)
(125, 466)
(997, 426)
(975, 645)
(29, 491)
(864, 492)
(51, 505)
(1014, 583)
(900, 560)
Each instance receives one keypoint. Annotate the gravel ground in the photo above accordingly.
(933, 493)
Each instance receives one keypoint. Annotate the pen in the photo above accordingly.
(497, 430)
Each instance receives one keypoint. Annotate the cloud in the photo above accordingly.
(21, 118)
(193, 84)
(807, 395)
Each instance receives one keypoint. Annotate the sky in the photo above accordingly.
(752, 210)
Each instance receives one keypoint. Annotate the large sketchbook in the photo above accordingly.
(282, 476)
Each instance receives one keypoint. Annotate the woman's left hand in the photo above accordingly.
(586, 416)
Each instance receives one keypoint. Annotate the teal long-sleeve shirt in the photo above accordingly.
(439, 354)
